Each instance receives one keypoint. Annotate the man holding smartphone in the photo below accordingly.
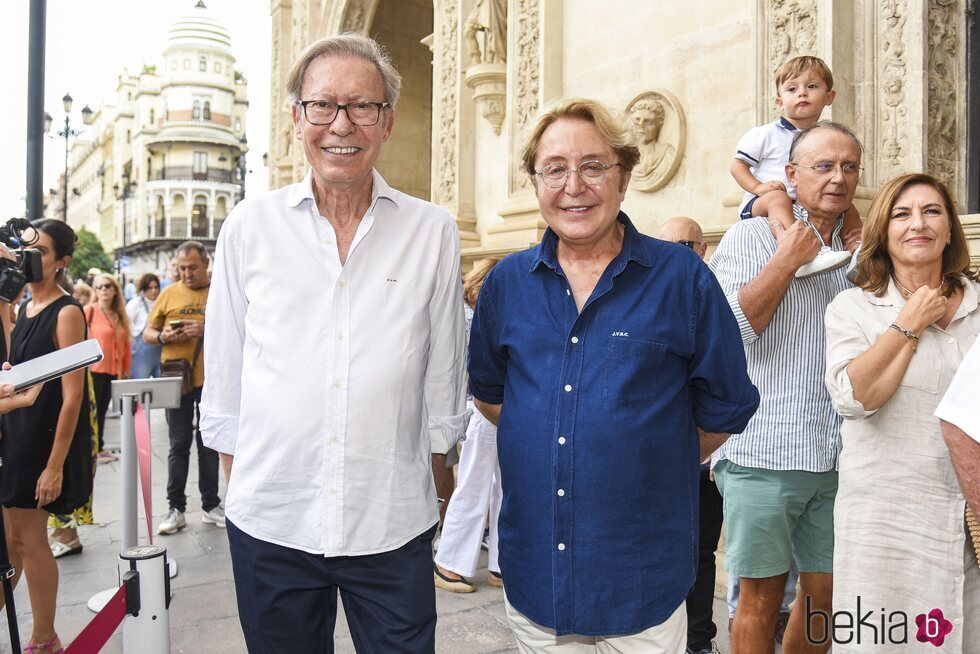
(177, 323)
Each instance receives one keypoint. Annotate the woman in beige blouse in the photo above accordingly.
(893, 346)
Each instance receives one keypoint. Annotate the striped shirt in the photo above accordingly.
(796, 426)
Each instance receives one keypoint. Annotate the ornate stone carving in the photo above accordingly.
(526, 101)
(892, 66)
(489, 84)
(445, 187)
(790, 27)
(490, 18)
(660, 123)
(943, 71)
(354, 17)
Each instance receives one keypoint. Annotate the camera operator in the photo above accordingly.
(9, 400)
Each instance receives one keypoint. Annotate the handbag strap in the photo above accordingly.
(197, 351)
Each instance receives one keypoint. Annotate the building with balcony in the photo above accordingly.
(164, 163)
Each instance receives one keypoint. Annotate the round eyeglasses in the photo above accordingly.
(324, 112)
(591, 172)
(847, 169)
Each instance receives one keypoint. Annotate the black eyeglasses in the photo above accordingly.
(324, 112)
(689, 244)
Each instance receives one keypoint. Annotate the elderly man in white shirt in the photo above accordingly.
(335, 350)
(960, 418)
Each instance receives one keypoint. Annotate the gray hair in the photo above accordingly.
(193, 246)
(350, 46)
(823, 124)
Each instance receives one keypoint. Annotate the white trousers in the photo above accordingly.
(669, 637)
(477, 491)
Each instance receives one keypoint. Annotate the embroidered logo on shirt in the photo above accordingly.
(623, 334)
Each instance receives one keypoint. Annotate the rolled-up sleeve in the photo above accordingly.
(959, 405)
(445, 389)
(846, 341)
(724, 397)
(737, 261)
(224, 340)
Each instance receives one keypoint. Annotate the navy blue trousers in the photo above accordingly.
(287, 599)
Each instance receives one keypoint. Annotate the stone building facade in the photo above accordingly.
(693, 80)
(160, 166)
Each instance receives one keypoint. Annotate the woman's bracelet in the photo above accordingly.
(909, 336)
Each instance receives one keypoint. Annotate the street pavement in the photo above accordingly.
(203, 613)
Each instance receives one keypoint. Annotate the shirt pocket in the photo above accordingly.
(923, 373)
(632, 369)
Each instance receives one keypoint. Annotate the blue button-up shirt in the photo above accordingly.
(597, 441)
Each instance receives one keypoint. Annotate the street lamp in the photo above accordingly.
(123, 193)
(66, 134)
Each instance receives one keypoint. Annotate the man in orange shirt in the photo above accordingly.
(177, 323)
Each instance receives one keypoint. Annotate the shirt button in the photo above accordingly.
(574, 339)
(336, 383)
(568, 291)
(340, 336)
(561, 440)
(340, 283)
(333, 491)
(568, 388)
(561, 492)
(333, 438)
(561, 547)
(952, 340)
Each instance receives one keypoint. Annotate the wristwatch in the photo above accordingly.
(160, 338)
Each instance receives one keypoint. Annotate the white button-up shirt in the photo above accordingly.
(331, 384)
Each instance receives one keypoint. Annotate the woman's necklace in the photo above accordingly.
(907, 293)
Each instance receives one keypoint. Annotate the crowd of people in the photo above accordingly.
(53, 434)
(619, 401)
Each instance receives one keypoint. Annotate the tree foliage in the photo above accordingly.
(89, 253)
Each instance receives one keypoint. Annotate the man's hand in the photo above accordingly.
(765, 187)
(173, 335)
(796, 245)
(192, 329)
(852, 239)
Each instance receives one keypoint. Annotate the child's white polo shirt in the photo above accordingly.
(766, 149)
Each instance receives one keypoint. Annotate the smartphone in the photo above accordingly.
(176, 324)
(53, 365)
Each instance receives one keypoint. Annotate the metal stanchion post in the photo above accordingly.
(148, 632)
(128, 456)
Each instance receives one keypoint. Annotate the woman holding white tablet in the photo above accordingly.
(46, 448)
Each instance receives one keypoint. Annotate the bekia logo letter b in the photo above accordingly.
(933, 628)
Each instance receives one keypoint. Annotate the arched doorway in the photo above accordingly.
(400, 25)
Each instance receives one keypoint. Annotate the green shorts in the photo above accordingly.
(772, 516)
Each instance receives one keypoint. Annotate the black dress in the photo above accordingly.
(28, 433)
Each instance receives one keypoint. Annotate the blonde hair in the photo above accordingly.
(613, 129)
(118, 306)
(876, 265)
(799, 65)
(473, 280)
(346, 45)
(81, 289)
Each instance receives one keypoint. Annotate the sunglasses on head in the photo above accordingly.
(688, 244)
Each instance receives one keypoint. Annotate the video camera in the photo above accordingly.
(14, 275)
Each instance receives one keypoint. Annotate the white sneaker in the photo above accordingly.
(215, 516)
(173, 523)
(825, 261)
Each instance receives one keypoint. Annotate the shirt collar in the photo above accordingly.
(304, 190)
(785, 124)
(634, 249)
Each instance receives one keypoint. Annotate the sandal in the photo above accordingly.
(460, 585)
(31, 648)
(60, 549)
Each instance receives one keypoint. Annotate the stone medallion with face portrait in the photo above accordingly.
(659, 121)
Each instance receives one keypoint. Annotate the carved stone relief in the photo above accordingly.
(526, 86)
(892, 67)
(659, 121)
(944, 68)
(790, 29)
(445, 187)
(355, 17)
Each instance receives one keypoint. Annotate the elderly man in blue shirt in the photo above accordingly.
(599, 353)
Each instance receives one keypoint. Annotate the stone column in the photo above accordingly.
(534, 78)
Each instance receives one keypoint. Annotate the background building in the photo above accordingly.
(164, 164)
(694, 80)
